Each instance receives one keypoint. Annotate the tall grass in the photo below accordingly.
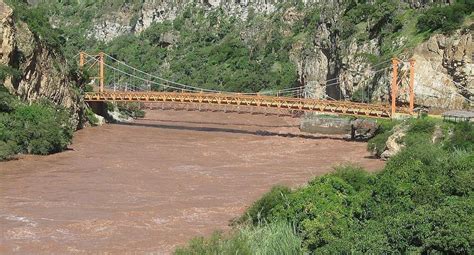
(274, 238)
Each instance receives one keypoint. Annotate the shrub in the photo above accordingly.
(261, 210)
(6, 71)
(41, 128)
(8, 103)
(445, 18)
(357, 177)
(462, 137)
(90, 116)
(275, 238)
(216, 244)
(321, 212)
(420, 131)
(8, 149)
(377, 144)
(420, 203)
(8, 145)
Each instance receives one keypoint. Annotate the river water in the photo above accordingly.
(154, 184)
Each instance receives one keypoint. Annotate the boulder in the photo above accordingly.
(363, 129)
(393, 144)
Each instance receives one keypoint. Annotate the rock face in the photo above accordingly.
(445, 70)
(43, 71)
(125, 20)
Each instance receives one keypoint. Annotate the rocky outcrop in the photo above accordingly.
(133, 18)
(394, 142)
(445, 70)
(42, 70)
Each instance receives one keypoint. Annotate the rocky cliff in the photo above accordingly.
(445, 70)
(42, 71)
(136, 17)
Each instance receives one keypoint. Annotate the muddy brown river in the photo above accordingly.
(149, 186)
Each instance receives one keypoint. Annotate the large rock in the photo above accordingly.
(363, 129)
(445, 70)
(393, 144)
(325, 124)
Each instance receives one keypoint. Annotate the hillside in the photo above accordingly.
(257, 45)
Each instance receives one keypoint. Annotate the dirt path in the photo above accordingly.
(154, 184)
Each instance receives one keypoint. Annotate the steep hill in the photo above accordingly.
(32, 62)
(256, 45)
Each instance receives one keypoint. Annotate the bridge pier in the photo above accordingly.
(99, 108)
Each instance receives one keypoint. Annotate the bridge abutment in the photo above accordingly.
(99, 108)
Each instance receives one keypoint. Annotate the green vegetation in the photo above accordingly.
(8, 71)
(277, 238)
(399, 27)
(462, 138)
(422, 129)
(90, 116)
(38, 128)
(212, 50)
(422, 202)
(133, 110)
(208, 52)
(445, 18)
(384, 131)
(38, 22)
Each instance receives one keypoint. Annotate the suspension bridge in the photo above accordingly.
(126, 83)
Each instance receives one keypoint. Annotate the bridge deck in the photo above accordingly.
(303, 104)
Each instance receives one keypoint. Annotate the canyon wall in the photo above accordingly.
(42, 72)
(444, 64)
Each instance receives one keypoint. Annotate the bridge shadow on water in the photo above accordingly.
(219, 123)
(229, 130)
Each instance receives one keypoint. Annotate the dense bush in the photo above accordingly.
(261, 210)
(133, 110)
(445, 18)
(39, 128)
(422, 202)
(462, 137)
